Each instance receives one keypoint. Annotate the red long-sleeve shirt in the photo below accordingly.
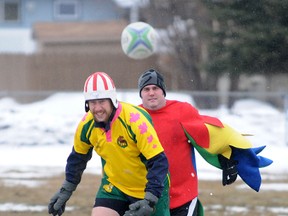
(168, 124)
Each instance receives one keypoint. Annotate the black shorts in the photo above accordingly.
(119, 206)
(188, 209)
(111, 197)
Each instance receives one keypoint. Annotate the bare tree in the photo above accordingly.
(185, 23)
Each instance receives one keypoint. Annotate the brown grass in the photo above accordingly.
(216, 199)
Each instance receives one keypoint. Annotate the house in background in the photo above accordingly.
(18, 19)
(66, 41)
(72, 37)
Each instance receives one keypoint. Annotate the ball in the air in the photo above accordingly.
(139, 40)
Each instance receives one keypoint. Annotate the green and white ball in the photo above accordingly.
(139, 40)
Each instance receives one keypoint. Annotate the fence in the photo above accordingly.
(68, 71)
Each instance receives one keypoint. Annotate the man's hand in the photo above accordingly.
(143, 207)
(229, 170)
(58, 201)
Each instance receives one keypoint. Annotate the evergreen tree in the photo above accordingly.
(248, 37)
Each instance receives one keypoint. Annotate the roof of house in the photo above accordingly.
(78, 31)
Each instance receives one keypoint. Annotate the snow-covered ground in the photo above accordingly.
(40, 134)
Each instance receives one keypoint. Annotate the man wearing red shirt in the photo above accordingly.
(181, 130)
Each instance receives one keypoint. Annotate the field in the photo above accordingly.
(217, 200)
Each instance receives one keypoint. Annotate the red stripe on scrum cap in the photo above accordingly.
(94, 87)
(98, 75)
(111, 81)
(102, 75)
(86, 83)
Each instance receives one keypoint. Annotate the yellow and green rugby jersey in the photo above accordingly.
(124, 149)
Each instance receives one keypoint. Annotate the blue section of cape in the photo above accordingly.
(248, 165)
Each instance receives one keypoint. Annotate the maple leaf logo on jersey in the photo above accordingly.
(122, 142)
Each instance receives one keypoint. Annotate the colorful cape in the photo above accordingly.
(222, 139)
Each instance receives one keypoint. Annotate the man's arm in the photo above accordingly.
(157, 172)
(76, 164)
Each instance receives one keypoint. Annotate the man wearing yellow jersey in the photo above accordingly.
(135, 169)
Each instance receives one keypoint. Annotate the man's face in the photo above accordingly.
(153, 97)
(101, 109)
